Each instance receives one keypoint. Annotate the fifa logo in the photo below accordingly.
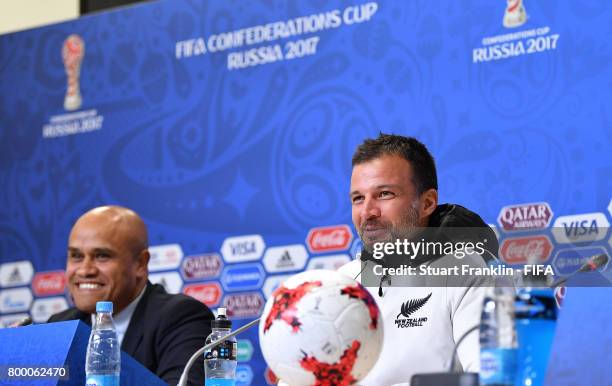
(73, 51)
(515, 15)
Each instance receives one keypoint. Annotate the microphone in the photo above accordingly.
(23, 322)
(194, 357)
(449, 378)
(592, 264)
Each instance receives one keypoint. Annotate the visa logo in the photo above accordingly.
(243, 248)
(580, 228)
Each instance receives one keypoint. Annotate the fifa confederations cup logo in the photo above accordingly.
(515, 14)
(73, 51)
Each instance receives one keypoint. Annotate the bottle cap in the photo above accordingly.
(221, 321)
(104, 307)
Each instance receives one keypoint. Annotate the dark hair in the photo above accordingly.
(413, 151)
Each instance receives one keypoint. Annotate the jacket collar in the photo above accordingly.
(134, 333)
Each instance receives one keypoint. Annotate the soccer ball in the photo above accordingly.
(320, 328)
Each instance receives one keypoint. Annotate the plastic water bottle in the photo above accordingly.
(103, 360)
(498, 341)
(220, 361)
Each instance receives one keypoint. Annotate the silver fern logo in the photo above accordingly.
(403, 319)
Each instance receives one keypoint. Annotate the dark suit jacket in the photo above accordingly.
(165, 330)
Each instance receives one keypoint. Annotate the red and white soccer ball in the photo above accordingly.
(320, 328)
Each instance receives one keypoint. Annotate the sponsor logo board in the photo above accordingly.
(8, 320)
(329, 238)
(42, 309)
(15, 300)
(525, 217)
(49, 283)
(244, 375)
(242, 277)
(207, 293)
(204, 266)
(580, 228)
(171, 281)
(16, 273)
(568, 261)
(243, 305)
(165, 257)
(332, 262)
(243, 248)
(245, 350)
(285, 258)
(526, 250)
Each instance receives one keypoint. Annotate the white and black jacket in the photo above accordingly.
(423, 323)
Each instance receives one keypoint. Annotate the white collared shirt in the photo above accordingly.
(122, 319)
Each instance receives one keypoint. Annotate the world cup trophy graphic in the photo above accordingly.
(73, 51)
(515, 14)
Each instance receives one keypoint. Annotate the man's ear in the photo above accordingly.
(143, 262)
(429, 203)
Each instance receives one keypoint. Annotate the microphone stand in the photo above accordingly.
(196, 355)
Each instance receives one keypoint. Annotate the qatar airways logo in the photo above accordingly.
(525, 217)
(244, 305)
(329, 238)
(203, 266)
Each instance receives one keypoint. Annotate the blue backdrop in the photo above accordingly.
(224, 119)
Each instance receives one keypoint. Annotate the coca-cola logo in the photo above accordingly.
(201, 266)
(329, 238)
(49, 283)
(207, 293)
(243, 305)
(526, 250)
(525, 216)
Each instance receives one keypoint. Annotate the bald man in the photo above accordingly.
(107, 260)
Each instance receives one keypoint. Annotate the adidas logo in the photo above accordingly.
(285, 260)
(15, 276)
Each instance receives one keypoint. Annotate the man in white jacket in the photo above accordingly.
(394, 193)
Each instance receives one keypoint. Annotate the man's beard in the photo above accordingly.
(406, 229)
